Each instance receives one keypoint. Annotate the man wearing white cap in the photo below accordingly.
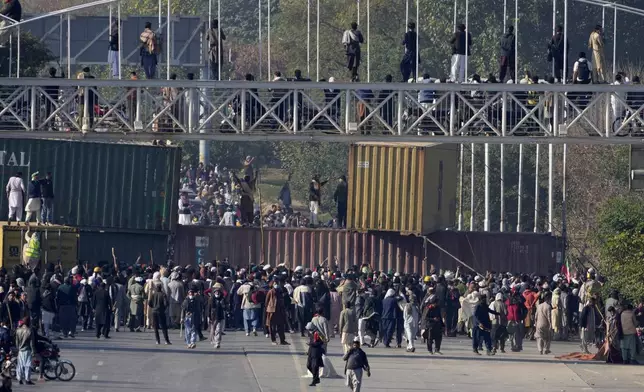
(34, 201)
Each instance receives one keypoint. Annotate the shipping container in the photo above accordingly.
(499, 252)
(96, 246)
(100, 185)
(384, 251)
(402, 187)
(57, 243)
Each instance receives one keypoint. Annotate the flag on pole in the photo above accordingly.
(565, 270)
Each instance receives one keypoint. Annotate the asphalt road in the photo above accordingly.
(132, 361)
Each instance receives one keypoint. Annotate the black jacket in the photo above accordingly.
(409, 40)
(507, 45)
(458, 43)
(114, 42)
(47, 188)
(341, 194)
(33, 190)
(158, 303)
(556, 46)
(33, 294)
(216, 308)
(102, 306)
(12, 9)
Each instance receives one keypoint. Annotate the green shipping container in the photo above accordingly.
(100, 185)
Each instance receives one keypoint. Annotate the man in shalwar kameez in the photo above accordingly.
(15, 193)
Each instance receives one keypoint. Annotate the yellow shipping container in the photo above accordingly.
(402, 187)
(56, 243)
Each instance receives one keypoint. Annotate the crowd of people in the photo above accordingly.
(211, 196)
(363, 307)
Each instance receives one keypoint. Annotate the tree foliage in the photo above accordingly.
(34, 56)
(620, 239)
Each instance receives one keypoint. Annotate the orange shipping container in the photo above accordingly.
(402, 187)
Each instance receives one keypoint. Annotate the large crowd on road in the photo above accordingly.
(362, 307)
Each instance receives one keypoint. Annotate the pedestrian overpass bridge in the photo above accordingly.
(93, 109)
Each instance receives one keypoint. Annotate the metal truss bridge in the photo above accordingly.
(93, 109)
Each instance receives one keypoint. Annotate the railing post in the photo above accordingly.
(34, 108)
(555, 114)
(347, 101)
(607, 114)
(243, 110)
(86, 109)
(191, 109)
(296, 114)
(504, 113)
(401, 98)
(138, 124)
(452, 112)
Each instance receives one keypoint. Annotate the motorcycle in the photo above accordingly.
(49, 358)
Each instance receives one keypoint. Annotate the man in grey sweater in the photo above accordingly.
(25, 342)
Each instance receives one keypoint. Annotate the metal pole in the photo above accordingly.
(565, 54)
(317, 43)
(614, 43)
(467, 33)
(358, 6)
(564, 225)
(308, 39)
(502, 196)
(168, 41)
(208, 71)
(18, 54)
(259, 34)
(109, 34)
(10, 52)
(551, 191)
(368, 41)
(118, 27)
(69, 46)
(505, 16)
(454, 16)
(536, 189)
(219, 38)
(406, 16)
(460, 188)
(60, 41)
(417, 37)
(268, 38)
(472, 189)
(554, 26)
(516, 41)
(520, 188)
(486, 222)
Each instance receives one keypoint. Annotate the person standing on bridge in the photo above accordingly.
(215, 48)
(149, 51)
(16, 195)
(113, 52)
(315, 198)
(596, 44)
(351, 40)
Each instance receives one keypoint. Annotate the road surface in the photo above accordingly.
(132, 361)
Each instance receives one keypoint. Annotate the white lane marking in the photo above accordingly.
(639, 383)
(100, 363)
(94, 377)
(591, 371)
(298, 366)
(101, 350)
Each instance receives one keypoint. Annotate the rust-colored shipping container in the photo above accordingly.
(402, 187)
(385, 251)
(500, 252)
(57, 243)
(306, 247)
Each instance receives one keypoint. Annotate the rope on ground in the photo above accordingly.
(452, 256)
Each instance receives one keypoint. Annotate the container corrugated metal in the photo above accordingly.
(101, 185)
(306, 247)
(96, 246)
(385, 251)
(493, 251)
(57, 243)
(401, 187)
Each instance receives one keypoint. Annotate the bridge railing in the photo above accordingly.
(305, 108)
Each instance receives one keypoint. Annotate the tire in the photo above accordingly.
(51, 370)
(65, 371)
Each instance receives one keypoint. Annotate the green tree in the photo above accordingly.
(620, 239)
(34, 56)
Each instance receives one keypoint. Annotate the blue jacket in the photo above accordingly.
(389, 306)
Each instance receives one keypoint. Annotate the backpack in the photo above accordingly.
(583, 72)
(257, 297)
